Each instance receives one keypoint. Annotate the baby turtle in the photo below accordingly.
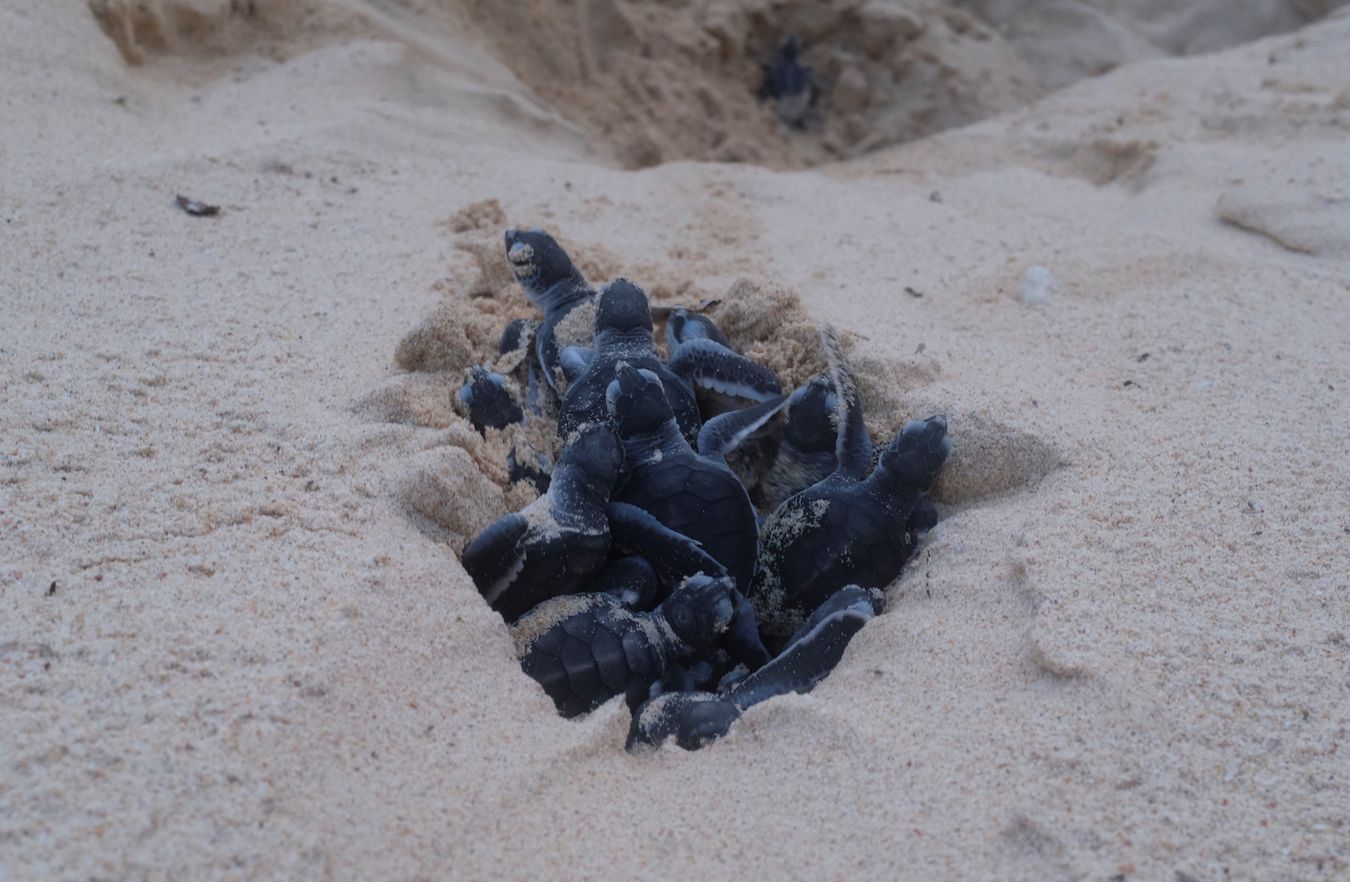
(623, 333)
(552, 283)
(695, 719)
(556, 544)
(791, 85)
(693, 493)
(852, 528)
(487, 400)
(585, 650)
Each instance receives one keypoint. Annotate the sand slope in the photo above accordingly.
(229, 651)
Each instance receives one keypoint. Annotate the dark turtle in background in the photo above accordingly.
(852, 528)
(791, 85)
(559, 542)
(695, 719)
(584, 650)
(487, 401)
(693, 493)
(552, 283)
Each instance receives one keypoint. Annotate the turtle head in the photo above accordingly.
(811, 413)
(917, 453)
(596, 453)
(637, 401)
(622, 307)
(538, 262)
(701, 608)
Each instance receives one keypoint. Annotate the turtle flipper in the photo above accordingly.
(814, 650)
(573, 361)
(683, 325)
(494, 558)
(853, 445)
(674, 555)
(712, 366)
(693, 719)
(632, 580)
(923, 517)
(723, 434)
(742, 640)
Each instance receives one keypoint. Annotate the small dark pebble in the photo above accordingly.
(196, 208)
(51, 589)
(1130, 383)
(912, 292)
(1035, 403)
(935, 196)
(1143, 358)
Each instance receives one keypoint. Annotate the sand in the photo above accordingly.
(236, 643)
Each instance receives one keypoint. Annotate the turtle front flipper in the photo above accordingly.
(693, 719)
(712, 366)
(683, 325)
(573, 361)
(853, 444)
(494, 559)
(723, 434)
(632, 580)
(675, 556)
(742, 640)
(812, 652)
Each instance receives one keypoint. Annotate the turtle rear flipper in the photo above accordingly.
(710, 365)
(721, 435)
(494, 558)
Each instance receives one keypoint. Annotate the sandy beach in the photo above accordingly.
(235, 638)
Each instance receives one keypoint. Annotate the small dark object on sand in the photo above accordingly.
(196, 208)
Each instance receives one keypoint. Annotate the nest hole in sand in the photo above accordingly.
(463, 480)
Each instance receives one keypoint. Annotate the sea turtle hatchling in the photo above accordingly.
(852, 528)
(699, 362)
(556, 544)
(692, 492)
(553, 283)
(588, 648)
(488, 401)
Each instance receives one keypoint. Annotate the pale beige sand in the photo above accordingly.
(231, 647)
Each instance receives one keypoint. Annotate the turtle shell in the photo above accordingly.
(591, 656)
(701, 499)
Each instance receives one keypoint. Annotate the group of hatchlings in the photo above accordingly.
(643, 569)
